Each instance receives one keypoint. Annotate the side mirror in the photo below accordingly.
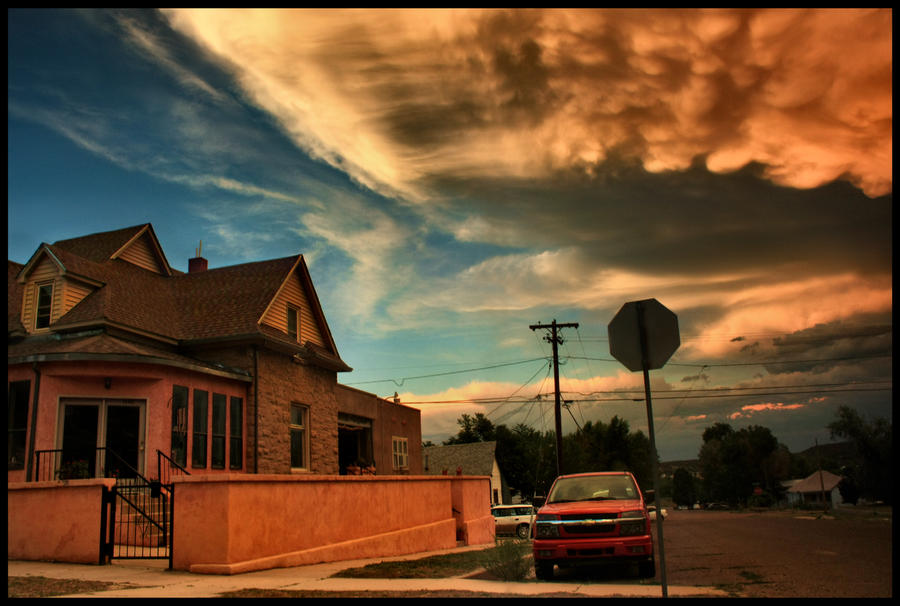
(649, 496)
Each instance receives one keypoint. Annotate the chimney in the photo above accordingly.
(198, 263)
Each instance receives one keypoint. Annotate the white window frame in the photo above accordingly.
(38, 287)
(304, 432)
(400, 452)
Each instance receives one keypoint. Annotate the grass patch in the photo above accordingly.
(433, 567)
(506, 561)
(43, 587)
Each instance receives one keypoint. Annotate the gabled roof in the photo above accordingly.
(474, 459)
(199, 309)
(816, 484)
(111, 244)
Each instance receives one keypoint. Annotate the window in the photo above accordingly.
(236, 454)
(299, 437)
(44, 305)
(179, 424)
(293, 323)
(17, 421)
(400, 448)
(201, 407)
(218, 431)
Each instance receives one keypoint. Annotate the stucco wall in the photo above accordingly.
(56, 521)
(228, 524)
(234, 524)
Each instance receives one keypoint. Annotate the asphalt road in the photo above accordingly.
(774, 554)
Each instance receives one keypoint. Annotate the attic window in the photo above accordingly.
(293, 323)
(44, 305)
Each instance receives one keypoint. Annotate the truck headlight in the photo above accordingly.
(545, 527)
(632, 523)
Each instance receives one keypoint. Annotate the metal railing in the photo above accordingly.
(166, 468)
(49, 465)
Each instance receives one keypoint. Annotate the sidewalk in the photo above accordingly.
(150, 578)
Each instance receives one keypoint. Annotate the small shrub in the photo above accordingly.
(507, 560)
(74, 470)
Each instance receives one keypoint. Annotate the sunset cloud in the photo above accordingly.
(415, 95)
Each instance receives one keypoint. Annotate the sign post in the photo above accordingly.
(643, 335)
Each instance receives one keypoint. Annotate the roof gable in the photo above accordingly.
(137, 245)
(475, 458)
(816, 482)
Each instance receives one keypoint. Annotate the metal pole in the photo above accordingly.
(654, 459)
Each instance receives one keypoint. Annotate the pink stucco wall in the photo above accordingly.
(56, 521)
(228, 524)
(238, 523)
(149, 382)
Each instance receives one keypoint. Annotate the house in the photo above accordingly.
(118, 363)
(811, 490)
(474, 459)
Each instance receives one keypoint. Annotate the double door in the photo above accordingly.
(102, 437)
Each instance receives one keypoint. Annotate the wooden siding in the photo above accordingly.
(292, 293)
(142, 253)
(74, 292)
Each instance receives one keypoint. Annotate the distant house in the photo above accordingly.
(810, 490)
(115, 359)
(472, 459)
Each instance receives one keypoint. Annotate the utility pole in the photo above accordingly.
(555, 340)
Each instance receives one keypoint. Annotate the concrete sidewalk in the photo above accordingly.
(150, 578)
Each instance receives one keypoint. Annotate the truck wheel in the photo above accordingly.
(523, 531)
(543, 570)
(647, 570)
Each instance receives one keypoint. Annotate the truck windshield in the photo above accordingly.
(592, 488)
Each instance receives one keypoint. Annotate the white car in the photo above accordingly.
(513, 519)
(651, 509)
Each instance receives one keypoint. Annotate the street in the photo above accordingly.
(775, 554)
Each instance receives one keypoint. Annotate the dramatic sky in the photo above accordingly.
(453, 177)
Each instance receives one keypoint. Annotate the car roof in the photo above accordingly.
(596, 473)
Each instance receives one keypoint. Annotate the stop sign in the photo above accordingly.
(661, 336)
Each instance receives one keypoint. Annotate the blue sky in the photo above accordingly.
(453, 177)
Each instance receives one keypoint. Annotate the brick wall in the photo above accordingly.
(282, 382)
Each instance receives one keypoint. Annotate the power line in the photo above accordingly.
(638, 397)
(757, 363)
(444, 374)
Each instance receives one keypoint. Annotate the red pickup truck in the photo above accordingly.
(593, 518)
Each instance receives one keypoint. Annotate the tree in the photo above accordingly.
(527, 457)
(733, 463)
(873, 472)
(684, 492)
(473, 429)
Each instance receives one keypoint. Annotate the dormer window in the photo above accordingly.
(44, 305)
(293, 323)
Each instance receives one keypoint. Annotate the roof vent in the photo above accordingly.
(198, 263)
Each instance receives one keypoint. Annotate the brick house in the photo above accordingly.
(114, 357)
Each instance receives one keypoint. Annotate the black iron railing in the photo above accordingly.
(166, 468)
(50, 465)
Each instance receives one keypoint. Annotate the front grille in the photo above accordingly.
(588, 516)
(589, 528)
(590, 553)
